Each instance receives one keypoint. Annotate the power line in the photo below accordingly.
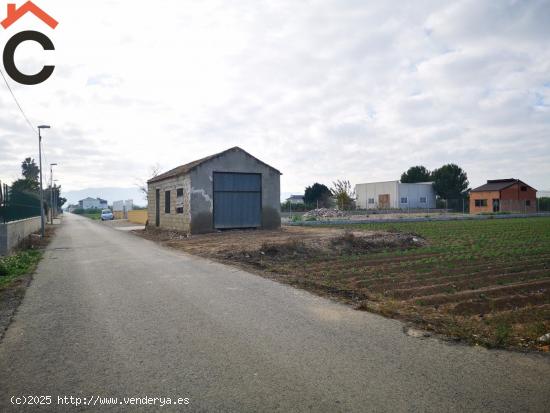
(17, 102)
(26, 119)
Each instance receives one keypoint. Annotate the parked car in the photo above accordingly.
(107, 215)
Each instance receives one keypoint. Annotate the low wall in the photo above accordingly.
(12, 233)
(138, 216)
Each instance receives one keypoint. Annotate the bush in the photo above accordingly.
(285, 206)
(3, 269)
(19, 264)
(503, 334)
(82, 211)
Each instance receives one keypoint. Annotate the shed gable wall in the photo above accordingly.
(514, 192)
(201, 191)
(172, 220)
(233, 161)
(374, 190)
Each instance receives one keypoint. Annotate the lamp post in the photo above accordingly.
(42, 231)
(51, 191)
(56, 199)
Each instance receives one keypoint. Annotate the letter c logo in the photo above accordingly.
(9, 57)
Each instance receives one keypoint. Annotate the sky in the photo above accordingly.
(321, 90)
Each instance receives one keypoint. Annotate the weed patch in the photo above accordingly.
(17, 265)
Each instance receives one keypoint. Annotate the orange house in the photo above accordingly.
(503, 195)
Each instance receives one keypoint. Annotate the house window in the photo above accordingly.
(179, 201)
(404, 200)
(523, 188)
(371, 200)
(167, 202)
(423, 200)
(528, 202)
(481, 202)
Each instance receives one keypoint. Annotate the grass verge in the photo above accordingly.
(16, 273)
(17, 265)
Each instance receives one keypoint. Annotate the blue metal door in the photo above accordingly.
(237, 200)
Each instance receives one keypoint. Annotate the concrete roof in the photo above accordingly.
(183, 169)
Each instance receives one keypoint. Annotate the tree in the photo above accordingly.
(317, 193)
(450, 181)
(30, 170)
(416, 174)
(344, 194)
(24, 185)
(154, 170)
(29, 182)
(57, 198)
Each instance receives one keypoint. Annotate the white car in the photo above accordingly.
(107, 215)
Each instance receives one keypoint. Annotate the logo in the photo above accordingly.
(15, 14)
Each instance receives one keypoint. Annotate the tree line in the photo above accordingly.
(450, 181)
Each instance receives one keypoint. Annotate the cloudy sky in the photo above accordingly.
(321, 90)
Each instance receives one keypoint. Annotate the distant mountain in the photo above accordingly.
(109, 194)
(117, 194)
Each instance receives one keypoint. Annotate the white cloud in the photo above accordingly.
(320, 89)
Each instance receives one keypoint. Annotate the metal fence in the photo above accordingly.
(16, 205)
(543, 204)
(456, 205)
(451, 206)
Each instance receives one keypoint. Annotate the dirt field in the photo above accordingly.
(486, 282)
(233, 243)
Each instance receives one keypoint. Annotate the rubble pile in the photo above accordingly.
(325, 213)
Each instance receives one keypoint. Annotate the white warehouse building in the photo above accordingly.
(92, 203)
(395, 195)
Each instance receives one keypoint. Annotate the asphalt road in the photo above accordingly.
(111, 314)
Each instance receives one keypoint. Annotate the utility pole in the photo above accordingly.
(42, 223)
(51, 192)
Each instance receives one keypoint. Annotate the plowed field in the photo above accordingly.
(485, 282)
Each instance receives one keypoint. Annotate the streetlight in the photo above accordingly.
(51, 191)
(56, 199)
(42, 231)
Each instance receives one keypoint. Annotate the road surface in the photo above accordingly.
(112, 315)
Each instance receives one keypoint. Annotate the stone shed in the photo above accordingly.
(230, 189)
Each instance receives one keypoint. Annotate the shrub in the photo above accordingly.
(502, 334)
(3, 269)
(81, 211)
(18, 264)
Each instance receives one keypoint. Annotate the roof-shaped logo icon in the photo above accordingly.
(15, 14)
